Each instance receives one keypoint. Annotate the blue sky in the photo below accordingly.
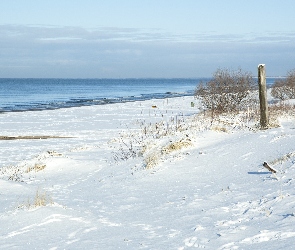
(144, 38)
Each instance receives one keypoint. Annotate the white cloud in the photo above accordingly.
(53, 51)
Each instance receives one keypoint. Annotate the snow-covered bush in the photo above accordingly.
(284, 89)
(227, 91)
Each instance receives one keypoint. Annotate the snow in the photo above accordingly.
(212, 192)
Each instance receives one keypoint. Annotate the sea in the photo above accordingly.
(25, 94)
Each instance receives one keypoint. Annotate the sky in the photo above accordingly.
(144, 38)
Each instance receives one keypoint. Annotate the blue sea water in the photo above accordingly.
(23, 94)
(38, 94)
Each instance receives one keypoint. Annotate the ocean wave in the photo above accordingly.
(88, 102)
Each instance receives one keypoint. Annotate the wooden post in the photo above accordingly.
(264, 120)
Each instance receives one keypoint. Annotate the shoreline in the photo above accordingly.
(92, 102)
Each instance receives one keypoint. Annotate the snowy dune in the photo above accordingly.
(213, 193)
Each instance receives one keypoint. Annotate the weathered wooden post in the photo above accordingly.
(264, 120)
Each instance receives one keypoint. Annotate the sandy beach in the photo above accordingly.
(144, 175)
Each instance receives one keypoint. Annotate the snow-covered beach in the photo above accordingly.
(212, 192)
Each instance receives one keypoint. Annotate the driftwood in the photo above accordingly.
(31, 137)
(269, 168)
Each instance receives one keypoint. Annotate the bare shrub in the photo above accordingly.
(284, 89)
(279, 110)
(279, 90)
(227, 91)
(290, 82)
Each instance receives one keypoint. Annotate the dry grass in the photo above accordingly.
(25, 170)
(41, 199)
(155, 152)
(220, 129)
(283, 158)
(17, 173)
(36, 168)
(176, 146)
(152, 160)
